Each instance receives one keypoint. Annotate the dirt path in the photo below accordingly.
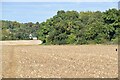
(87, 61)
(21, 42)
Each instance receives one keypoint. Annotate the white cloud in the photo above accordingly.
(60, 0)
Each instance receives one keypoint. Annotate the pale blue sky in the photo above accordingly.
(59, 0)
(40, 11)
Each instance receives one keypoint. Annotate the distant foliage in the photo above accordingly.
(12, 30)
(69, 27)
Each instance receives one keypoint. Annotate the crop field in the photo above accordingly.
(59, 61)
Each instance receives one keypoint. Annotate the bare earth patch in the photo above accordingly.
(21, 42)
(65, 61)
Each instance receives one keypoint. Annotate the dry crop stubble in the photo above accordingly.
(71, 61)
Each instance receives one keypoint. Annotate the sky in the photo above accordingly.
(59, 0)
(40, 11)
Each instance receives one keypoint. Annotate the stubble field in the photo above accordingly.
(64, 61)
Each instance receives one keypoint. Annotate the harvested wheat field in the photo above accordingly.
(65, 61)
(21, 42)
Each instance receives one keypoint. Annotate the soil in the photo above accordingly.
(59, 61)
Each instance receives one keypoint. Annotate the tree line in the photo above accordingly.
(69, 27)
(13, 30)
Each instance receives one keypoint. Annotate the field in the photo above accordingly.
(64, 61)
(21, 42)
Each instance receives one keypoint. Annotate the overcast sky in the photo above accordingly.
(40, 11)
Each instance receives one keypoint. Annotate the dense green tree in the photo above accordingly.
(69, 27)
